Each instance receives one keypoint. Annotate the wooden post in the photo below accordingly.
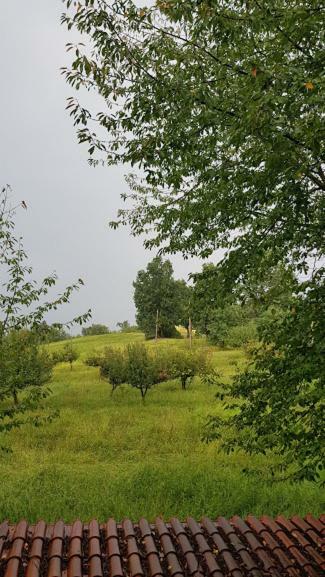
(190, 330)
(157, 321)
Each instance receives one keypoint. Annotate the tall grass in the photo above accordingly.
(115, 456)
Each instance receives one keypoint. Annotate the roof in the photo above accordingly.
(233, 548)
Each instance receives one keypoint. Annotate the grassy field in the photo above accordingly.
(115, 456)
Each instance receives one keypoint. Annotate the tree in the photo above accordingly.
(156, 297)
(220, 105)
(24, 368)
(50, 333)
(125, 327)
(185, 365)
(141, 370)
(279, 398)
(95, 329)
(68, 354)
(113, 367)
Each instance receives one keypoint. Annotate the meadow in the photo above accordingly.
(116, 456)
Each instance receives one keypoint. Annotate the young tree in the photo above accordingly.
(113, 367)
(95, 329)
(220, 104)
(24, 368)
(68, 354)
(141, 370)
(156, 297)
(185, 365)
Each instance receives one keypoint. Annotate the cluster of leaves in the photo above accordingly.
(278, 400)
(113, 366)
(143, 368)
(95, 329)
(68, 354)
(232, 319)
(183, 364)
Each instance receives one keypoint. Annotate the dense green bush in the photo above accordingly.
(113, 366)
(24, 367)
(183, 364)
(232, 326)
(142, 368)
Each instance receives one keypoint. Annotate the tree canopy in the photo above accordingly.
(157, 298)
(220, 104)
(24, 367)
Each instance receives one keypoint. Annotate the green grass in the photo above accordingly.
(115, 456)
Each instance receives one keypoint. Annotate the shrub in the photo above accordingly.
(113, 366)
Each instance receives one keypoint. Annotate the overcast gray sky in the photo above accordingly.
(70, 204)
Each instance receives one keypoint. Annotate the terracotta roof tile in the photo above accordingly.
(252, 547)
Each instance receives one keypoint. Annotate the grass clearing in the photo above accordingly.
(116, 456)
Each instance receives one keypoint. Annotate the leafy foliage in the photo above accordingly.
(141, 369)
(50, 333)
(95, 329)
(280, 397)
(24, 368)
(68, 354)
(157, 293)
(185, 365)
(220, 104)
(113, 366)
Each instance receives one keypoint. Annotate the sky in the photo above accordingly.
(70, 204)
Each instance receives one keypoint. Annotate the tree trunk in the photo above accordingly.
(15, 397)
(157, 322)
